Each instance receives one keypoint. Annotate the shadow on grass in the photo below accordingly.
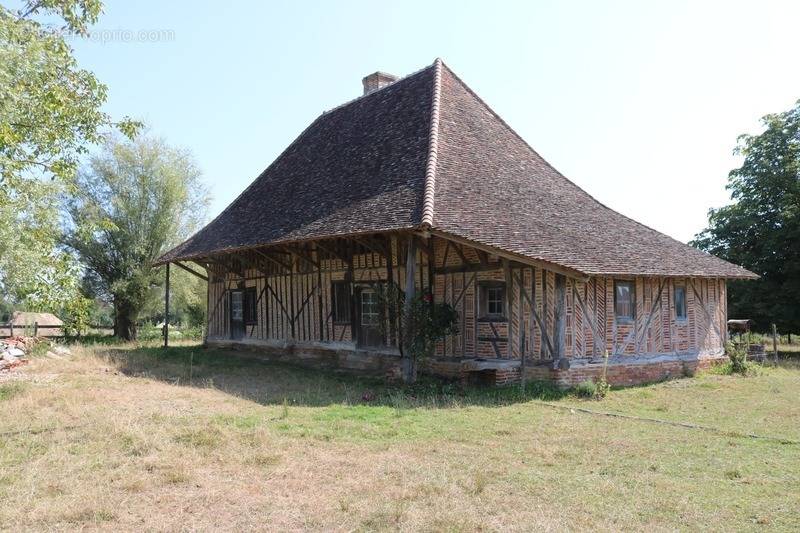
(272, 383)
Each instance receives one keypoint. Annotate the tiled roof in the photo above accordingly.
(427, 152)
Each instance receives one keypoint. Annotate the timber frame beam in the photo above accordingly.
(568, 272)
(190, 270)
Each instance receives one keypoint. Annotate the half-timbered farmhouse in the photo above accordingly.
(418, 183)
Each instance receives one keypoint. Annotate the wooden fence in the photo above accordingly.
(37, 330)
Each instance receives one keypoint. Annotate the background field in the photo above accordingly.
(133, 437)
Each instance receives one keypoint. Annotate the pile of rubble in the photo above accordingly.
(15, 351)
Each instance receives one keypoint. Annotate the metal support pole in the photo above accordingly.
(166, 310)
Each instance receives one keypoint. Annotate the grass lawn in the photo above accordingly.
(127, 437)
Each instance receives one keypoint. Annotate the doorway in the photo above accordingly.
(237, 314)
(369, 317)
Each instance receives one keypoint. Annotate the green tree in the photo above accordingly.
(135, 200)
(761, 229)
(187, 300)
(50, 113)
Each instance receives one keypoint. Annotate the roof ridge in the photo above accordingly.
(433, 148)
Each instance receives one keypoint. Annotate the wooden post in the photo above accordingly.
(319, 295)
(36, 329)
(560, 308)
(351, 276)
(166, 310)
(390, 288)
(208, 308)
(775, 341)
(411, 267)
(522, 329)
(509, 310)
(11, 326)
(292, 260)
(431, 265)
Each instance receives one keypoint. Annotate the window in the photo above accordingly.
(341, 302)
(236, 306)
(680, 302)
(370, 308)
(492, 295)
(250, 311)
(624, 300)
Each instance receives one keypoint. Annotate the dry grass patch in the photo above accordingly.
(194, 439)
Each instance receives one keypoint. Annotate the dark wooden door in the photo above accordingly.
(237, 314)
(369, 316)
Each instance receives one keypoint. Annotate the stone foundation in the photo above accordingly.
(344, 357)
(626, 370)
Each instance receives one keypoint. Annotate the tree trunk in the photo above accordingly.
(124, 320)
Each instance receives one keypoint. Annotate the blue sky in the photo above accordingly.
(639, 103)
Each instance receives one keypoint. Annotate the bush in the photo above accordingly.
(738, 358)
(585, 389)
(601, 388)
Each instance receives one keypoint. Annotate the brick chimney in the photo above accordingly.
(377, 80)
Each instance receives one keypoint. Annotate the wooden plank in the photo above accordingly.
(542, 328)
(471, 267)
(335, 252)
(226, 268)
(431, 263)
(291, 299)
(446, 251)
(509, 306)
(560, 316)
(191, 270)
(704, 308)
(460, 252)
(374, 246)
(532, 304)
(494, 339)
(279, 300)
(166, 309)
(273, 260)
(216, 306)
(647, 322)
(464, 289)
(512, 256)
(522, 331)
(302, 254)
(589, 319)
(462, 330)
(390, 289)
(208, 316)
(352, 278)
(304, 303)
(410, 289)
